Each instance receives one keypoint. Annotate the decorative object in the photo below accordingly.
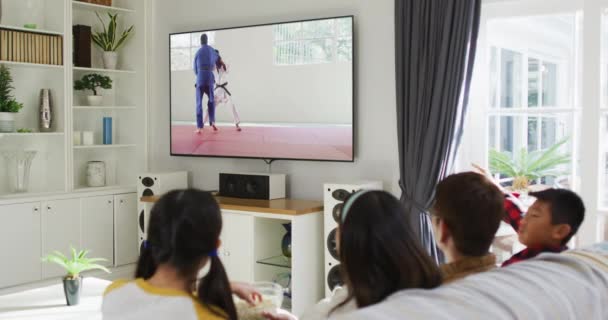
(82, 45)
(88, 138)
(108, 41)
(25, 130)
(96, 174)
(74, 265)
(31, 46)
(8, 105)
(77, 137)
(286, 241)
(99, 2)
(93, 82)
(526, 167)
(18, 168)
(284, 280)
(46, 111)
(107, 130)
(30, 26)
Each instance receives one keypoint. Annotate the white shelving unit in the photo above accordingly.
(59, 166)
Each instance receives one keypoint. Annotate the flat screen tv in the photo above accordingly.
(273, 91)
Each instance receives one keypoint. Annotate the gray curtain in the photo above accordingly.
(435, 50)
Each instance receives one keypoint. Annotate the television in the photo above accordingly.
(272, 91)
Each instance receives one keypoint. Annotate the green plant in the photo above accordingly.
(526, 167)
(25, 130)
(106, 39)
(93, 82)
(7, 101)
(76, 264)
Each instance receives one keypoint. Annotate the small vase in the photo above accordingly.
(18, 169)
(46, 111)
(7, 121)
(71, 288)
(286, 242)
(94, 100)
(96, 174)
(110, 59)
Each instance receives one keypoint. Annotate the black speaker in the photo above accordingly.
(252, 186)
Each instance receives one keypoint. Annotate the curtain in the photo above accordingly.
(435, 51)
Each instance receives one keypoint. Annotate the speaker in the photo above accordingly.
(155, 184)
(334, 195)
(264, 186)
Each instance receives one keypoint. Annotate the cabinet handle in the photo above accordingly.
(121, 201)
(110, 201)
(36, 209)
(48, 207)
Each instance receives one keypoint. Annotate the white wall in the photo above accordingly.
(376, 136)
(265, 92)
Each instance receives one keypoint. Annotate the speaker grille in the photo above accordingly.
(337, 212)
(331, 244)
(340, 194)
(147, 193)
(333, 277)
(244, 186)
(147, 182)
(141, 222)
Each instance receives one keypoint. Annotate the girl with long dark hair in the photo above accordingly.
(379, 255)
(183, 237)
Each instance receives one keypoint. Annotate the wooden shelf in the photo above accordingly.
(32, 65)
(278, 206)
(41, 31)
(106, 188)
(94, 7)
(105, 146)
(103, 70)
(90, 108)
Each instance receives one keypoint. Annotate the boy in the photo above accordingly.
(548, 225)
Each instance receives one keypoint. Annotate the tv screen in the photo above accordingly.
(276, 91)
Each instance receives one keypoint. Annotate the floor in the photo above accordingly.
(316, 142)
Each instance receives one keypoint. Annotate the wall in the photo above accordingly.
(265, 92)
(376, 137)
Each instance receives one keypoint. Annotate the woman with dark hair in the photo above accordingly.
(183, 237)
(379, 256)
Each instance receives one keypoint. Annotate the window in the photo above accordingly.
(184, 47)
(308, 42)
(529, 63)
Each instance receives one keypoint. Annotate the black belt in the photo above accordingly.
(205, 68)
(223, 86)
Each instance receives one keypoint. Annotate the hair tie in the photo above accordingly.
(213, 253)
(349, 202)
(146, 244)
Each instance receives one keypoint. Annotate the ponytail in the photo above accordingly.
(146, 264)
(214, 289)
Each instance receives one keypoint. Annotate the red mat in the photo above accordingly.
(310, 142)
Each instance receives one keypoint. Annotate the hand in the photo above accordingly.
(246, 292)
(281, 315)
(487, 174)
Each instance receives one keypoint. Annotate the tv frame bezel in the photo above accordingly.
(353, 106)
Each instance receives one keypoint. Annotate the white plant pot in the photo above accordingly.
(94, 100)
(110, 59)
(7, 121)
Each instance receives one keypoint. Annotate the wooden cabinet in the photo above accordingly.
(97, 227)
(60, 230)
(20, 243)
(236, 250)
(125, 229)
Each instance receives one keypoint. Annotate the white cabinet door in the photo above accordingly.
(20, 243)
(236, 250)
(97, 227)
(60, 230)
(125, 229)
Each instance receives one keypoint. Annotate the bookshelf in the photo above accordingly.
(59, 166)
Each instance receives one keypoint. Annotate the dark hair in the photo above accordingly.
(566, 207)
(184, 228)
(204, 38)
(378, 250)
(472, 207)
(219, 64)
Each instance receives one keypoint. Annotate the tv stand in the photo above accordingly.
(251, 244)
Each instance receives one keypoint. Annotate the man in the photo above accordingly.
(204, 63)
(466, 214)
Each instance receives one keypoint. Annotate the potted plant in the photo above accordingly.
(108, 41)
(8, 105)
(526, 167)
(93, 82)
(74, 265)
